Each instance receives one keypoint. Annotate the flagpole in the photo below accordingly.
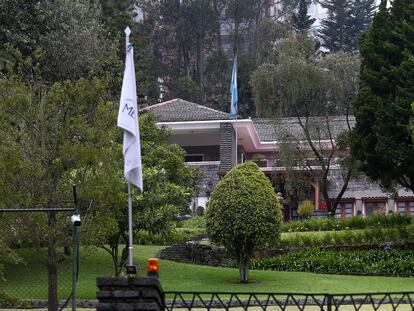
(130, 267)
(130, 242)
(236, 140)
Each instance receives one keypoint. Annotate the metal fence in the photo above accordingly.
(25, 234)
(288, 301)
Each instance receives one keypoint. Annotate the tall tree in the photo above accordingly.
(313, 90)
(381, 140)
(346, 21)
(49, 132)
(300, 19)
(335, 28)
(117, 15)
(168, 185)
(361, 14)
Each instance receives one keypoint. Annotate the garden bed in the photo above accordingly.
(389, 262)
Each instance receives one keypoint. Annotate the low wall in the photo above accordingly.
(197, 253)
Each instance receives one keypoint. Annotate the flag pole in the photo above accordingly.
(130, 267)
(236, 140)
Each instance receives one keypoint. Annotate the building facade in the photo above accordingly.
(209, 139)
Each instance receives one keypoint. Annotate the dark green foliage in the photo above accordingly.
(334, 31)
(23, 23)
(117, 15)
(345, 23)
(355, 222)
(244, 213)
(301, 20)
(185, 88)
(55, 41)
(382, 139)
(392, 261)
(361, 13)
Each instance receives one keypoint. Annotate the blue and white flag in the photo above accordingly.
(128, 120)
(233, 91)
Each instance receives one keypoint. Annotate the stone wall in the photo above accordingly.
(210, 178)
(197, 253)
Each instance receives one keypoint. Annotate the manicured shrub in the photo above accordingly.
(355, 222)
(244, 214)
(371, 235)
(305, 209)
(391, 261)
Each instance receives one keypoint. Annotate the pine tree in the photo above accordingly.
(301, 20)
(335, 28)
(117, 15)
(382, 140)
(361, 14)
(346, 21)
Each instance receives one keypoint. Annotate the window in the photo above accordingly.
(344, 209)
(405, 207)
(373, 207)
(194, 158)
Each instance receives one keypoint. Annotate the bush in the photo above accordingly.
(244, 214)
(199, 211)
(371, 235)
(194, 222)
(390, 261)
(355, 222)
(305, 209)
(175, 236)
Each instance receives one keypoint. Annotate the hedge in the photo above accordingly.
(374, 261)
(369, 236)
(355, 222)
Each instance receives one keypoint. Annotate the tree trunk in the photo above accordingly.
(218, 30)
(236, 39)
(53, 304)
(243, 264)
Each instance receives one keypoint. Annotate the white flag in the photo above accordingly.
(128, 120)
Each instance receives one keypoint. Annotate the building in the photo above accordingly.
(209, 140)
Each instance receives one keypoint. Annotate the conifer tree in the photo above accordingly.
(346, 21)
(361, 14)
(301, 20)
(381, 139)
(335, 28)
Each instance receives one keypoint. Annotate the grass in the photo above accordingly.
(22, 282)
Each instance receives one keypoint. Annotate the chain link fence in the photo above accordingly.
(27, 243)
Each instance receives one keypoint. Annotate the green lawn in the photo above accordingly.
(22, 281)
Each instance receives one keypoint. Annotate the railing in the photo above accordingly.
(288, 301)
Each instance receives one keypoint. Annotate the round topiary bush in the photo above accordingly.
(244, 214)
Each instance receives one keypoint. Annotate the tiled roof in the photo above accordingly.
(279, 129)
(359, 187)
(176, 110)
